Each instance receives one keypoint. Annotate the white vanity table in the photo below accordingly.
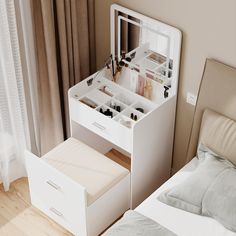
(144, 135)
(129, 106)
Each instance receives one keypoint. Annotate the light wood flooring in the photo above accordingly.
(19, 218)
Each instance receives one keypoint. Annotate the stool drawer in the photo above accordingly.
(55, 194)
(56, 214)
(47, 181)
(64, 213)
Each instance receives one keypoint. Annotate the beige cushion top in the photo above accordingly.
(219, 134)
(86, 166)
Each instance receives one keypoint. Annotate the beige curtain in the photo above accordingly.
(65, 47)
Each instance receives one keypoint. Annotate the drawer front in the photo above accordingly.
(55, 214)
(56, 195)
(52, 185)
(64, 213)
(101, 125)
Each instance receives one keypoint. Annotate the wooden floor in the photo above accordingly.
(19, 218)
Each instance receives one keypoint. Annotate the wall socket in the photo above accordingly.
(191, 99)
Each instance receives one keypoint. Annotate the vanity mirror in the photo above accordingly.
(143, 50)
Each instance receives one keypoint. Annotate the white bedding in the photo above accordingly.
(178, 221)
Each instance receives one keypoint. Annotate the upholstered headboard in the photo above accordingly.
(218, 133)
(217, 92)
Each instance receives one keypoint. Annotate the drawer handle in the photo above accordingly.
(56, 212)
(49, 182)
(99, 126)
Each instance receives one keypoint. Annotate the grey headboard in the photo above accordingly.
(217, 92)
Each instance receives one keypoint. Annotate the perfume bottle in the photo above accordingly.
(141, 85)
(148, 89)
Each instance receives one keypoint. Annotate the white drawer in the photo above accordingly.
(53, 184)
(55, 194)
(57, 214)
(64, 213)
(101, 125)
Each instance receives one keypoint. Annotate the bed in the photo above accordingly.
(217, 92)
(178, 221)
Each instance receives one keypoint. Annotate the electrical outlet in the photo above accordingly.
(191, 99)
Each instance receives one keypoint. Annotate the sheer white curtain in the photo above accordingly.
(15, 135)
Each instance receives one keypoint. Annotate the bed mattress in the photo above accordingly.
(178, 221)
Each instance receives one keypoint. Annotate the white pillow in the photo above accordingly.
(209, 191)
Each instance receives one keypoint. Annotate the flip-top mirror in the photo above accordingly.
(144, 45)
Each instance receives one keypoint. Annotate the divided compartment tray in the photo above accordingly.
(127, 103)
(142, 107)
(98, 96)
(94, 98)
(125, 99)
(116, 105)
(105, 108)
(124, 120)
(108, 90)
(88, 102)
(133, 114)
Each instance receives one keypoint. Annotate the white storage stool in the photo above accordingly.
(78, 187)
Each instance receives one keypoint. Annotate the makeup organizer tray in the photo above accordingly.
(116, 103)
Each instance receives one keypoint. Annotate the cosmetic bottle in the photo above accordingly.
(166, 92)
(141, 84)
(148, 89)
(107, 91)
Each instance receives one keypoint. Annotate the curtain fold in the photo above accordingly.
(65, 46)
(46, 46)
(14, 129)
(51, 129)
(27, 55)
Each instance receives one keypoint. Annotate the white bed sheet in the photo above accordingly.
(178, 221)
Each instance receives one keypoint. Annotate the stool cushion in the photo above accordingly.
(86, 166)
